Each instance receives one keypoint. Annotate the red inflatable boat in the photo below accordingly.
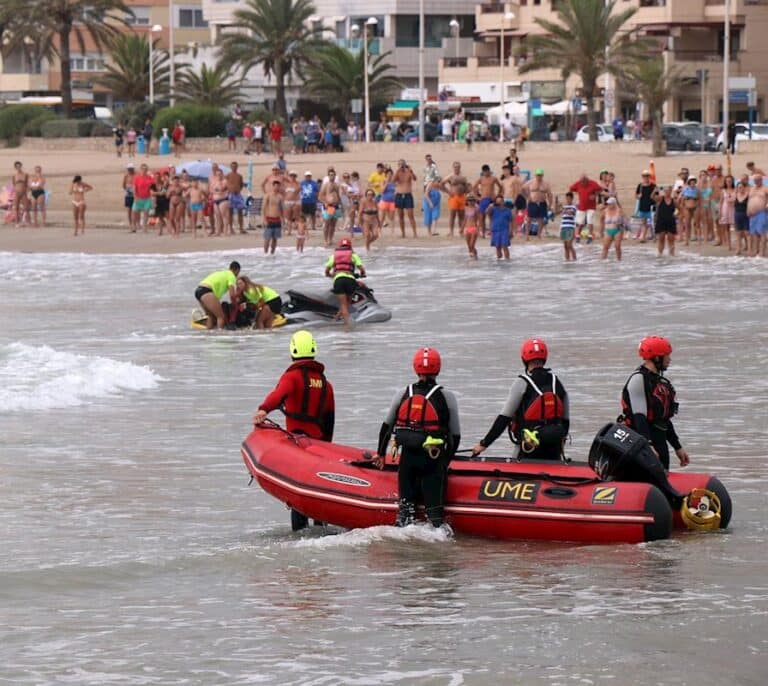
(500, 498)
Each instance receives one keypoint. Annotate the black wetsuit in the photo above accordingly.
(421, 477)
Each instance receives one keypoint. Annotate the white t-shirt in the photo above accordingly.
(447, 127)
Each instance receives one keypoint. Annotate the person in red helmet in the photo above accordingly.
(341, 266)
(536, 411)
(648, 400)
(424, 421)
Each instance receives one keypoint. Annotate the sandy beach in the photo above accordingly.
(107, 222)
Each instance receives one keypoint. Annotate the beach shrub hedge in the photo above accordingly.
(33, 127)
(200, 121)
(101, 129)
(68, 128)
(13, 119)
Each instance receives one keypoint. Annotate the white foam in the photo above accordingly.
(363, 537)
(41, 378)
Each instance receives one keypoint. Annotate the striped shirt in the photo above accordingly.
(568, 217)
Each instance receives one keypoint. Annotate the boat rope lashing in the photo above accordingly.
(701, 510)
(530, 441)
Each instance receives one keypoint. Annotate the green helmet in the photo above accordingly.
(302, 345)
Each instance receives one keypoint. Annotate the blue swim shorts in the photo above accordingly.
(757, 223)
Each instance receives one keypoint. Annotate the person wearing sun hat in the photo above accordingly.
(309, 189)
(645, 194)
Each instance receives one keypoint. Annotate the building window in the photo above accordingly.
(140, 17)
(373, 31)
(341, 29)
(436, 27)
(191, 18)
(735, 41)
(86, 63)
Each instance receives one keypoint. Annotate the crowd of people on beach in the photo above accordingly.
(706, 207)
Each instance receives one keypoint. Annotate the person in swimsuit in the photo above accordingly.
(196, 202)
(614, 228)
(330, 197)
(485, 188)
(404, 178)
(740, 218)
(291, 202)
(369, 215)
(666, 221)
(265, 302)
(235, 185)
(130, 173)
(37, 191)
(725, 215)
(387, 203)
(705, 225)
(220, 194)
(177, 207)
(471, 220)
(160, 190)
(130, 141)
(456, 187)
(212, 289)
(272, 217)
(77, 190)
(20, 181)
(689, 204)
(301, 233)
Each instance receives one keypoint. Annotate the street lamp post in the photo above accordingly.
(171, 54)
(155, 29)
(507, 17)
(455, 29)
(370, 22)
(421, 72)
(726, 65)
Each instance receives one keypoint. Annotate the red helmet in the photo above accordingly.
(426, 361)
(345, 243)
(533, 349)
(654, 346)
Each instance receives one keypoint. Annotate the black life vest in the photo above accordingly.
(342, 261)
(659, 398)
(423, 412)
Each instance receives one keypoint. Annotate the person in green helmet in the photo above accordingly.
(211, 290)
(303, 393)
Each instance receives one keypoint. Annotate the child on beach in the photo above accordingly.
(77, 190)
(196, 199)
(470, 225)
(568, 226)
(301, 233)
(430, 205)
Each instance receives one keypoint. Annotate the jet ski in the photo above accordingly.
(323, 307)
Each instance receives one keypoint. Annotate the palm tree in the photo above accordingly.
(648, 79)
(208, 86)
(51, 24)
(127, 72)
(578, 41)
(336, 76)
(275, 34)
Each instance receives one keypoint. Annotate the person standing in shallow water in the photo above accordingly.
(424, 421)
(648, 400)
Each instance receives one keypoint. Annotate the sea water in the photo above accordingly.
(134, 551)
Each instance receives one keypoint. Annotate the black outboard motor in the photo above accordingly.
(621, 454)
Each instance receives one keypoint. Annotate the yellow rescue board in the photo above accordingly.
(199, 322)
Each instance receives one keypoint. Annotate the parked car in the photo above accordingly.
(677, 139)
(759, 133)
(604, 134)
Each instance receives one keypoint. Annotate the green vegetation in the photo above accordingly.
(199, 120)
(127, 72)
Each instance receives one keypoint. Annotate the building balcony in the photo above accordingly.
(23, 82)
(487, 69)
(688, 12)
(490, 15)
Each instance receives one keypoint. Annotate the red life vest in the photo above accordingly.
(423, 409)
(659, 398)
(342, 261)
(540, 407)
